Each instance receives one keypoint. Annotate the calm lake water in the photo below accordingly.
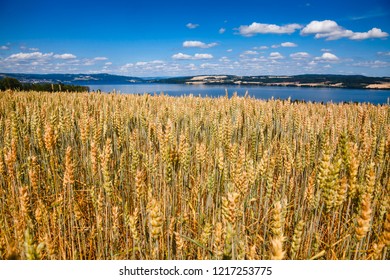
(307, 94)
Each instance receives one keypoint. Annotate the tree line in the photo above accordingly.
(8, 83)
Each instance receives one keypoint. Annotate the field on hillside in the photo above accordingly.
(109, 176)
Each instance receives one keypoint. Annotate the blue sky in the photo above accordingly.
(174, 38)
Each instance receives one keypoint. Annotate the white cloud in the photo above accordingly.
(191, 66)
(372, 64)
(149, 65)
(28, 56)
(284, 45)
(250, 53)
(261, 48)
(262, 28)
(288, 45)
(330, 30)
(65, 56)
(208, 65)
(373, 33)
(327, 57)
(224, 59)
(33, 49)
(182, 56)
(320, 27)
(276, 55)
(253, 60)
(100, 58)
(192, 25)
(198, 44)
(202, 56)
(229, 50)
(326, 50)
(108, 63)
(36, 62)
(156, 62)
(384, 53)
(299, 55)
(143, 66)
(4, 48)
(126, 67)
(93, 61)
(222, 30)
(88, 62)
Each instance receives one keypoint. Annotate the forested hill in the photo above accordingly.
(339, 81)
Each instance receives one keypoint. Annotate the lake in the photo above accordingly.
(261, 92)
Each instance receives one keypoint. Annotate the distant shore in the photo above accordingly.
(306, 80)
(318, 81)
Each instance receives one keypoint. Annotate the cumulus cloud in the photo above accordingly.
(4, 48)
(142, 66)
(198, 44)
(276, 55)
(202, 56)
(126, 67)
(288, 45)
(373, 33)
(65, 56)
(299, 55)
(150, 65)
(327, 57)
(38, 56)
(320, 27)
(182, 56)
(192, 25)
(262, 28)
(250, 53)
(28, 56)
(330, 30)
(222, 30)
(50, 62)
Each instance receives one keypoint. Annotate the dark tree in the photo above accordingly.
(10, 83)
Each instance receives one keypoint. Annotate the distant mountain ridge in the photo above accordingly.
(307, 80)
(77, 79)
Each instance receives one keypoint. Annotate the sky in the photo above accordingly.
(176, 38)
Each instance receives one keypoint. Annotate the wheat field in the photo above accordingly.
(111, 176)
